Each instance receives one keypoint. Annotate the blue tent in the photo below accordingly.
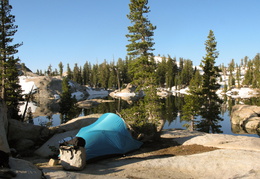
(108, 135)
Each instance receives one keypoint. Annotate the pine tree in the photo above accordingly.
(187, 72)
(113, 81)
(103, 74)
(238, 75)
(171, 72)
(69, 72)
(141, 32)
(67, 102)
(249, 74)
(142, 68)
(211, 103)
(211, 72)
(49, 71)
(94, 76)
(77, 77)
(161, 72)
(86, 73)
(10, 88)
(256, 71)
(61, 69)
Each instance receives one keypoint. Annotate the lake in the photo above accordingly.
(171, 109)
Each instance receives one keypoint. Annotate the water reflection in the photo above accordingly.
(172, 113)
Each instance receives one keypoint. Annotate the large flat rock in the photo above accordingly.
(217, 164)
(46, 149)
(222, 141)
(238, 158)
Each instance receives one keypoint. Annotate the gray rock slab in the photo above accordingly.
(77, 123)
(222, 163)
(222, 141)
(216, 164)
(72, 175)
(45, 150)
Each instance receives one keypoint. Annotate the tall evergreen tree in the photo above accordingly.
(187, 72)
(248, 80)
(10, 88)
(61, 69)
(113, 80)
(86, 73)
(256, 71)
(161, 72)
(211, 72)
(94, 76)
(77, 77)
(210, 101)
(141, 32)
(171, 72)
(103, 74)
(69, 72)
(142, 68)
(238, 75)
(67, 102)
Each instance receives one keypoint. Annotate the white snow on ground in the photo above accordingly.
(26, 85)
(124, 94)
(242, 93)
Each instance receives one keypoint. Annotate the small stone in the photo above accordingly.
(53, 162)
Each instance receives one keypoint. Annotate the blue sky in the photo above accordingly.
(85, 30)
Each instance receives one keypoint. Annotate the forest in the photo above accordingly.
(169, 72)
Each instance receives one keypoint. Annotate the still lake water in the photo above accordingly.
(171, 110)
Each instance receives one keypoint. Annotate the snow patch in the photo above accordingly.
(26, 85)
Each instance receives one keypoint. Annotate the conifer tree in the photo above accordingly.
(86, 73)
(69, 72)
(171, 72)
(61, 69)
(238, 75)
(67, 102)
(10, 88)
(142, 67)
(103, 74)
(187, 72)
(140, 35)
(113, 81)
(161, 72)
(211, 72)
(141, 32)
(210, 101)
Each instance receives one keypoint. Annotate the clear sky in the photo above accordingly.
(94, 30)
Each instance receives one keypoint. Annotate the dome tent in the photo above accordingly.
(108, 135)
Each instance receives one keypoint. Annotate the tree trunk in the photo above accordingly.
(4, 146)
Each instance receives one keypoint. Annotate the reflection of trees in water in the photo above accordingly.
(71, 114)
(210, 117)
(171, 106)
